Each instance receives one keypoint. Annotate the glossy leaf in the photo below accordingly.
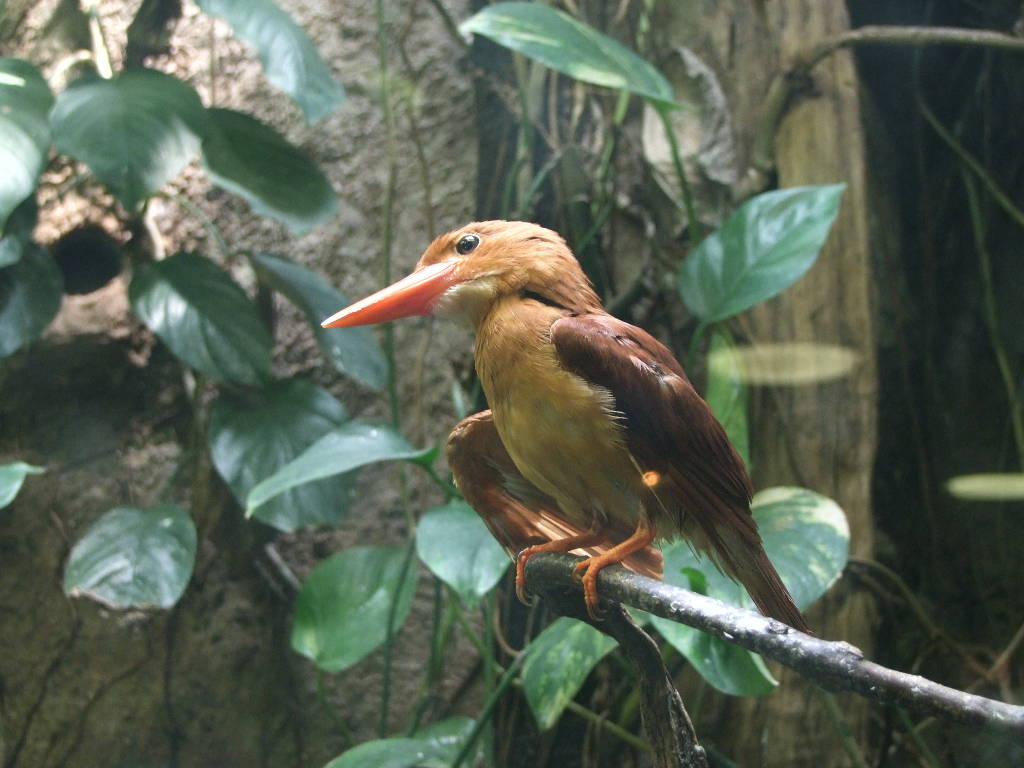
(203, 317)
(134, 558)
(433, 746)
(25, 102)
(254, 433)
(557, 664)
(31, 290)
(276, 178)
(727, 394)
(135, 131)
(806, 537)
(456, 546)
(290, 60)
(11, 478)
(349, 447)
(341, 613)
(571, 47)
(353, 351)
(764, 246)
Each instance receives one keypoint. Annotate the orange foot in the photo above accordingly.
(569, 543)
(588, 570)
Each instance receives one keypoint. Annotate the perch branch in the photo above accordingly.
(782, 87)
(834, 666)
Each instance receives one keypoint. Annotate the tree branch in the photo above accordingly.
(782, 87)
(834, 666)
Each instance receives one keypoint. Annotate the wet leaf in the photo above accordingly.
(456, 546)
(432, 746)
(342, 610)
(132, 557)
(557, 663)
(254, 433)
(764, 246)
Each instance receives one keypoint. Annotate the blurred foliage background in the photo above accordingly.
(228, 537)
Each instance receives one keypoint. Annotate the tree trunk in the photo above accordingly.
(818, 436)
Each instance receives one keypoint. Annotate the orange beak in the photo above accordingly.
(412, 295)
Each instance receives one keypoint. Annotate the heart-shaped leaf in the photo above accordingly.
(349, 447)
(727, 394)
(30, 295)
(135, 131)
(456, 546)
(134, 558)
(254, 433)
(353, 351)
(342, 610)
(807, 539)
(11, 477)
(276, 178)
(25, 102)
(566, 45)
(765, 245)
(432, 746)
(203, 317)
(290, 60)
(557, 663)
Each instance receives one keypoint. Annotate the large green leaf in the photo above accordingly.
(566, 45)
(290, 60)
(727, 394)
(135, 131)
(11, 477)
(254, 433)
(353, 351)
(30, 295)
(134, 558)
(351, 446)
(433, 746)
(276, 178)
(25, 102)
(557, 663)
(765, 245)
(456, 546)
(342, 610)
(806, 537)
(204, 317)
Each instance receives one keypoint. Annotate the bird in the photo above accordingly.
(595, 441)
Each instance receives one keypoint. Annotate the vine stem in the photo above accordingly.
(100, 50)
(696, 232)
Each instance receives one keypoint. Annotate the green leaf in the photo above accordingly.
(30, 295)
(11, 477)
(25, 102)
(433, 746)
(341, 613)
(134, 558)
(351, 446)
(566, 45)
(254, 433)
(765, 245)
(806, 537)
(276, 178)
(353, 351)
(135, 131)
(727, 394)
(203, 317)
(557, 664)
(18, 234)
(290, 60)
(456, 546)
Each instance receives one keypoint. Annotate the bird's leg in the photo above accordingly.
(568, 544)
(589, 568)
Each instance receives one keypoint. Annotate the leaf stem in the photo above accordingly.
(693, 223)
(389, 637)
(212, 229)
(488, 709)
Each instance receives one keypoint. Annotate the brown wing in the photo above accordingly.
(514, 510)
(703, 484)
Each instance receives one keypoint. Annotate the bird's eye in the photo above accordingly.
(467, 244)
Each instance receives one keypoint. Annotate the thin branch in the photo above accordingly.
(783, 85)
(834, 666)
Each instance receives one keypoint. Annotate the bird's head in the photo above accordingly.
(462, 274)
